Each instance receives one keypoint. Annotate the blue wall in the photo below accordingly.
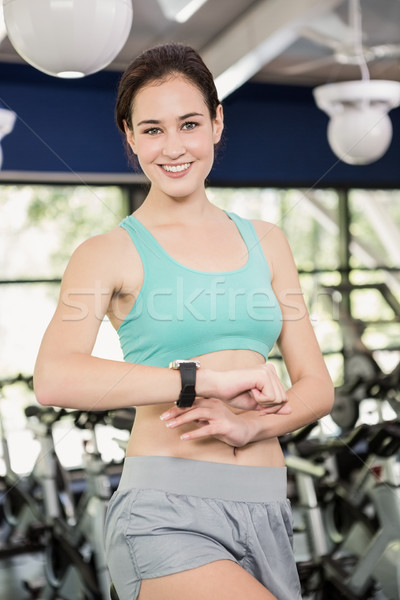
(275, 135)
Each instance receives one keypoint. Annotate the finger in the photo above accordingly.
(262, 396)
(199, 414)
(270, 407)
(278, 398)
(277, 385)
(171, 413)
(174, 412)
(273, 391)
(201, 432)
(278, 409)
(270, 367)
(285, 410)
(278, 390)
(243, 401)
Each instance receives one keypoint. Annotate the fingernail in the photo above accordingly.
(165, 416)
(171, 424)
(184, 436)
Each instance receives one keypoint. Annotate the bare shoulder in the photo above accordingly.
(99, 257)
(269, 231)
(101, 245)
(104, 246)
(274, 243)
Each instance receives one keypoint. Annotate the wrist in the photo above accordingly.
(206, 385)
(258, 429)
(188, 370)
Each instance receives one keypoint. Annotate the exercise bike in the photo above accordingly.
(75, 564)
(29, 501)
(353, 526)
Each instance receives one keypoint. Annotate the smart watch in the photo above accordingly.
(187, 370)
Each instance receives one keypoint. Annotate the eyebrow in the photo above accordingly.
(182, 118)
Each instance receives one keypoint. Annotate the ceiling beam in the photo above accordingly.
(260, 35)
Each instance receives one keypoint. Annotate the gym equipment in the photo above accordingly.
(353, 525)
(28, 502)
(75, 564)
(44, 511)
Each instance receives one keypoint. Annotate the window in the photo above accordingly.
(312, 224)
(40, 226)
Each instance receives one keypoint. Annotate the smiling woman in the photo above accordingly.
(201, 510)
(178, 141)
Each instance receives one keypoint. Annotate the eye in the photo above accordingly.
(153, 131)
(189, 125)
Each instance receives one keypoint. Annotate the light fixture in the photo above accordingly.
(180, 10)
(68, 38)
(359, 129)
(3, 31)
(7, 121)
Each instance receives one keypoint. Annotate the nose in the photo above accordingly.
(173, 147)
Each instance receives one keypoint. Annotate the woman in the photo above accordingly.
(201, 509)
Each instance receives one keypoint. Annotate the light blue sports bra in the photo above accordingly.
(182, 313)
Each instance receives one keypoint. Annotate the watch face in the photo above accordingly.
(176, 363)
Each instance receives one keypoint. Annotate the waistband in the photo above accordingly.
(204, 479)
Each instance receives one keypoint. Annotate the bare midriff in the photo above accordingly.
(151, 437)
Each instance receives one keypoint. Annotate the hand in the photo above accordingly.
(214, 418)
(254, 388)
(272, 393)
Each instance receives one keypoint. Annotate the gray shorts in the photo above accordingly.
(172, 514)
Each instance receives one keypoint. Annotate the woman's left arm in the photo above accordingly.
(311, 394)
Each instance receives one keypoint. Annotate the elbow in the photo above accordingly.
(45, 387)
(43, 394)
(328, 396)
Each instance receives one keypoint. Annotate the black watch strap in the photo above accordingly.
(188, 391)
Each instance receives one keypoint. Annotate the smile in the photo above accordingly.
(176, 168)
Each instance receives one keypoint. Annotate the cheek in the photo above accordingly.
(202, 146)
(147, 150)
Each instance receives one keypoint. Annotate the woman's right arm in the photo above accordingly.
(67, 375)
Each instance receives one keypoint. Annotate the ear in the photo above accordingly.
(129, 137)
(218, 124)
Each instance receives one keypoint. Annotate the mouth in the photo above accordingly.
(176, 169)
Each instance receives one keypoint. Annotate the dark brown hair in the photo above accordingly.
(157, 64)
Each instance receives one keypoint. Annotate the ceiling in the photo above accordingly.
(272, 39)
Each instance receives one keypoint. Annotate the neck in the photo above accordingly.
(157, 210)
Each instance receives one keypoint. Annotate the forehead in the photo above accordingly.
(173, 93)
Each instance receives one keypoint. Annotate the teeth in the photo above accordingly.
(176, 168)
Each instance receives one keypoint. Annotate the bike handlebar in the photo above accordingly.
(382, 439)
(83, 419)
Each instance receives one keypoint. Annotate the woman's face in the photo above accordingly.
(173, 135)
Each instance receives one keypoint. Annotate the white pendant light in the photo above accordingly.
(7, 121)
(359, 129)
(68, 38)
